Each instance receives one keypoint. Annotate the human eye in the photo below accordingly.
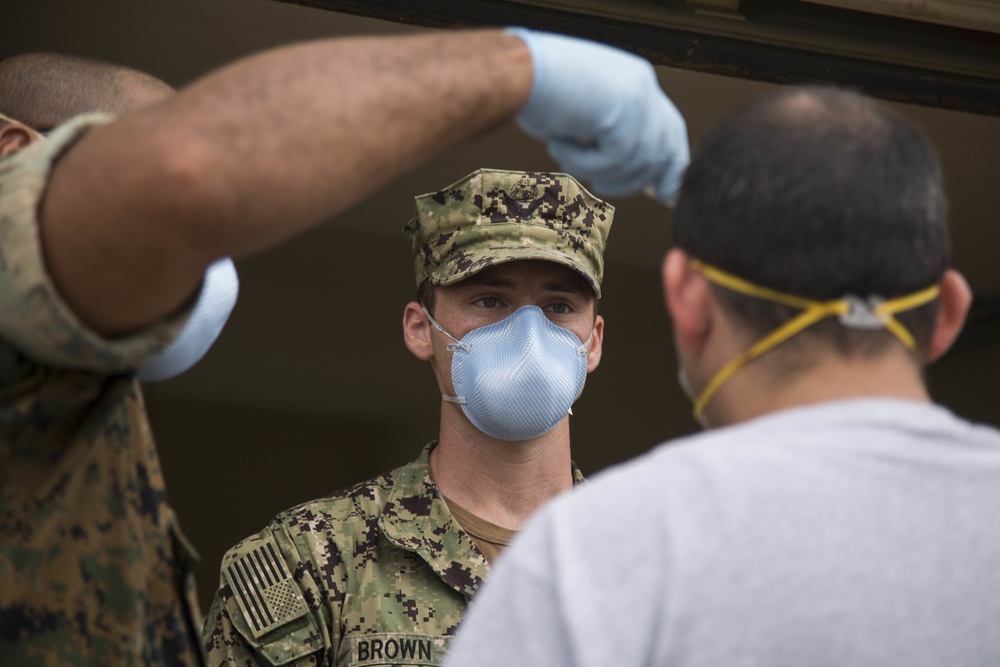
(559, 308)
(488, 302)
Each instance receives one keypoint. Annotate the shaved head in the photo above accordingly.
(43, 90)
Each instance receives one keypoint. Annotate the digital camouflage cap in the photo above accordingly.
(493, 216)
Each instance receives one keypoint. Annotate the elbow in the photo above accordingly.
(178, 191)
(185, 190)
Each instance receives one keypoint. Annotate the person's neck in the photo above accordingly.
(501, 482)
(759, 390)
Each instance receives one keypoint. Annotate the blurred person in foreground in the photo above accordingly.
(832, 514)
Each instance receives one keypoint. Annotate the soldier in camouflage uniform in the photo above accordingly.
(381, 573)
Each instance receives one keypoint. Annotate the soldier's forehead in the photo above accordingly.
(508, 271)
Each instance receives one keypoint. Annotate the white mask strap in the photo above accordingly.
(457, 345)
(585, 345)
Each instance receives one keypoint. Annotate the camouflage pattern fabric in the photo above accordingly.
(494, 216)
(93, 568)
(377, 574)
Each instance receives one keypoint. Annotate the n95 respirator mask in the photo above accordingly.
(517, 378)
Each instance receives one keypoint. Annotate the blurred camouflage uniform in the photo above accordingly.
(93, 568)
(381, 573)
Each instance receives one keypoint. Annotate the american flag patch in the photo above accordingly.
(263, 587)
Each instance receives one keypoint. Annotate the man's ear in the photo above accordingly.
(16, 136)
(687, 295)
(954, 302)
(417, 331)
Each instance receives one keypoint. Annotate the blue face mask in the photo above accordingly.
(516, 379)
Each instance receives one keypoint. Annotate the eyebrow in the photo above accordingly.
(568, 287)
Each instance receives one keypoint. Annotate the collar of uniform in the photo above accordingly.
(416, 518)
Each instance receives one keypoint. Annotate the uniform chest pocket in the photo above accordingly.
(395, 648)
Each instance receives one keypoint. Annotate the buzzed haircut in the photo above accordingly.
(43, 90)
(820, 193)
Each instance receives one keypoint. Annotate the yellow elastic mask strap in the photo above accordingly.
(853, 312)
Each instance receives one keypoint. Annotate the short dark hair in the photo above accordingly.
(43, 90)
(427, 296)
(820, 193)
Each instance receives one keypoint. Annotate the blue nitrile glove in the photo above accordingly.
(603, 116)
(215, 303)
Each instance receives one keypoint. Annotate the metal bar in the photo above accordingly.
(754, 49)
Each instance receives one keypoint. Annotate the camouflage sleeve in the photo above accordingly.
(268, 610)
(34, 319)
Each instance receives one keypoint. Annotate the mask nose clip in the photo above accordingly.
(863, 313)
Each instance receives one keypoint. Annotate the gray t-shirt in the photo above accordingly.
(852, 533)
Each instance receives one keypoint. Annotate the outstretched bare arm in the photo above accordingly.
(256, 153)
